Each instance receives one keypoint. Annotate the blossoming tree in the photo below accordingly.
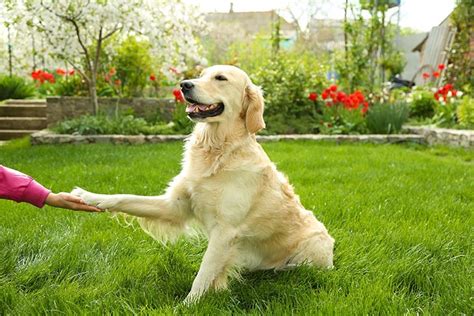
(78, 30)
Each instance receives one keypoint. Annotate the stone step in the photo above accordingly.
(6, 134)
(25, 102)
(23, 110)
(25, 123)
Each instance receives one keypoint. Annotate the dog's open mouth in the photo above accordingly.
(197, 110)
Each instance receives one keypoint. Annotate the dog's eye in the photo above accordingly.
(220, 78)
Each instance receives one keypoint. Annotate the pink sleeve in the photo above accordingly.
(19, 187)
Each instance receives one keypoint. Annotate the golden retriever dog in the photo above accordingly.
(228, 186)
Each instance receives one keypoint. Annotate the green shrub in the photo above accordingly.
(133, 63)
(181, 123)
(386, 118)
(423, 104)
(102, 125)
(15, 88)
(465, 112)
(249, 56)
(285, 80)
(338, 120)
(445, 114)
(70, 86)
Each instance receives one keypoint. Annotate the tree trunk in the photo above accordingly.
(93, 93)
(10, 53)
(346, 53)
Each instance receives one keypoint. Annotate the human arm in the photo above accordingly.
(20, 187)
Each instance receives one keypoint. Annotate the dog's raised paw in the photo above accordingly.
(87, 197)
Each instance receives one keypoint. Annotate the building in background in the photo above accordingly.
(425, 51)
(226, 28)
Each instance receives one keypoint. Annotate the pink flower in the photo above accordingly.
(174, 70)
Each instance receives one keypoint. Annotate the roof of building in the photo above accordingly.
(250, 22)
(412, 42)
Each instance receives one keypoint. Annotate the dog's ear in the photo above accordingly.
(253, 105)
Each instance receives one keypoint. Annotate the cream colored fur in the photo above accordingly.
(247, 208)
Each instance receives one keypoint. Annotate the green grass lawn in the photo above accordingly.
(402, 217)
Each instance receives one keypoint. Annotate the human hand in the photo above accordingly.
(69, 201)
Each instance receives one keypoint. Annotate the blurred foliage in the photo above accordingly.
(465, 112)
(250, 56)
(285, 80)
(15, 87)
(387, 118)
(369, 57)
(461, 61)
(423, 104)
(133, 64)
(104, 125)
(181, 122)
(445, 114)
(338, 120)
(71, 86)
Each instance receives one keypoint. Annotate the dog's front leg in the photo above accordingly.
(169, 206)
(218, 259)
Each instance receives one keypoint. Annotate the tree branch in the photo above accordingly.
(115, 29)
(97, 51)
(73, 21)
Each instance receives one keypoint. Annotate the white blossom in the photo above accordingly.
(170, 27)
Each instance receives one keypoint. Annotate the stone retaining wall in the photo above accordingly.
(61, 108)
(47, 137)
(443, 136)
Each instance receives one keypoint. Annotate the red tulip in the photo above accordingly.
(341, 96)
(441, 67)
(436, 74)
(426, 75)
(61, 71)
(313, 96)
(178, 95)
(152, 77)
(324, 95)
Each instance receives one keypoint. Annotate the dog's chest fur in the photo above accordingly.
(221, 184)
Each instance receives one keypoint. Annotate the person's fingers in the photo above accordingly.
(83, 207)
(72, 198)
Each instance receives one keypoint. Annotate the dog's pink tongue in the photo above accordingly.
(190, 108)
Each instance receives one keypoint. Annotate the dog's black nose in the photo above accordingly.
(186, 85)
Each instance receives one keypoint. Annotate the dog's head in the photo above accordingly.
(224, 94)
